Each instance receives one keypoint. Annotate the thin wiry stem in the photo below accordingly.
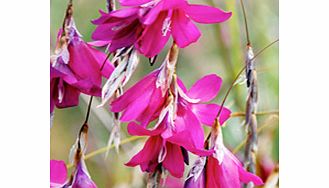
(242, 114)
(88, 109)
(245, 22)
(106, 148)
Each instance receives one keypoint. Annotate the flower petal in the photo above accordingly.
(207, 113)
(136, 108)
(82, 178)
(183, 30)
(153, 108)
(100, 57)
(206, 88)
(152, 40)
(224, 174)
(147, 158)
(138, 130)
(70, 96)
(133, 2)
(174, 161)
(207, 14)
(133, 93)
(247, 177)
(58, 172)
(86, 67)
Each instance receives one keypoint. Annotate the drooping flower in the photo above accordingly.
(81, 177)
(156, 150)
(167, 17)
(181, 111)
(149, 24)
(181, 128)
(58, 173)
(75, 67)
(220, 170)
(117, 29)
(144, 101)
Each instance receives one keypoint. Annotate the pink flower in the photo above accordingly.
(149, 24)
(81, 177)
(175, 129)
(118, 29)
(75, 67)
(229, 174)
(141, 102)
(181, 117)
(58, 173)
(222, 169)
(167, 17)
(157, 151)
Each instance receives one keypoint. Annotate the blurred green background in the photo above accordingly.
(220, 50)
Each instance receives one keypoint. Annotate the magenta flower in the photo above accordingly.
(81, 177)
(144, 102)
(179, 120)
(156, 150)
(58, 173)
(149, 24)
(118, 29)
(167, 17)
(141, 102)
(229, 174)
(75, 68)
(222, 169)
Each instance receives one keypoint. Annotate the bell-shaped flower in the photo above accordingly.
(158, 151)
(167, 17)
(75, 67)
(118, 29)
(81, 177)
(144, 101)
(222, 169)
(58, 173)
(192, 110)
(177, 123)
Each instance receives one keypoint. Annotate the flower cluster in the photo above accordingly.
(159, 106)
(148, 24)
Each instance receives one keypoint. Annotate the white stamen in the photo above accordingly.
(166, 27)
